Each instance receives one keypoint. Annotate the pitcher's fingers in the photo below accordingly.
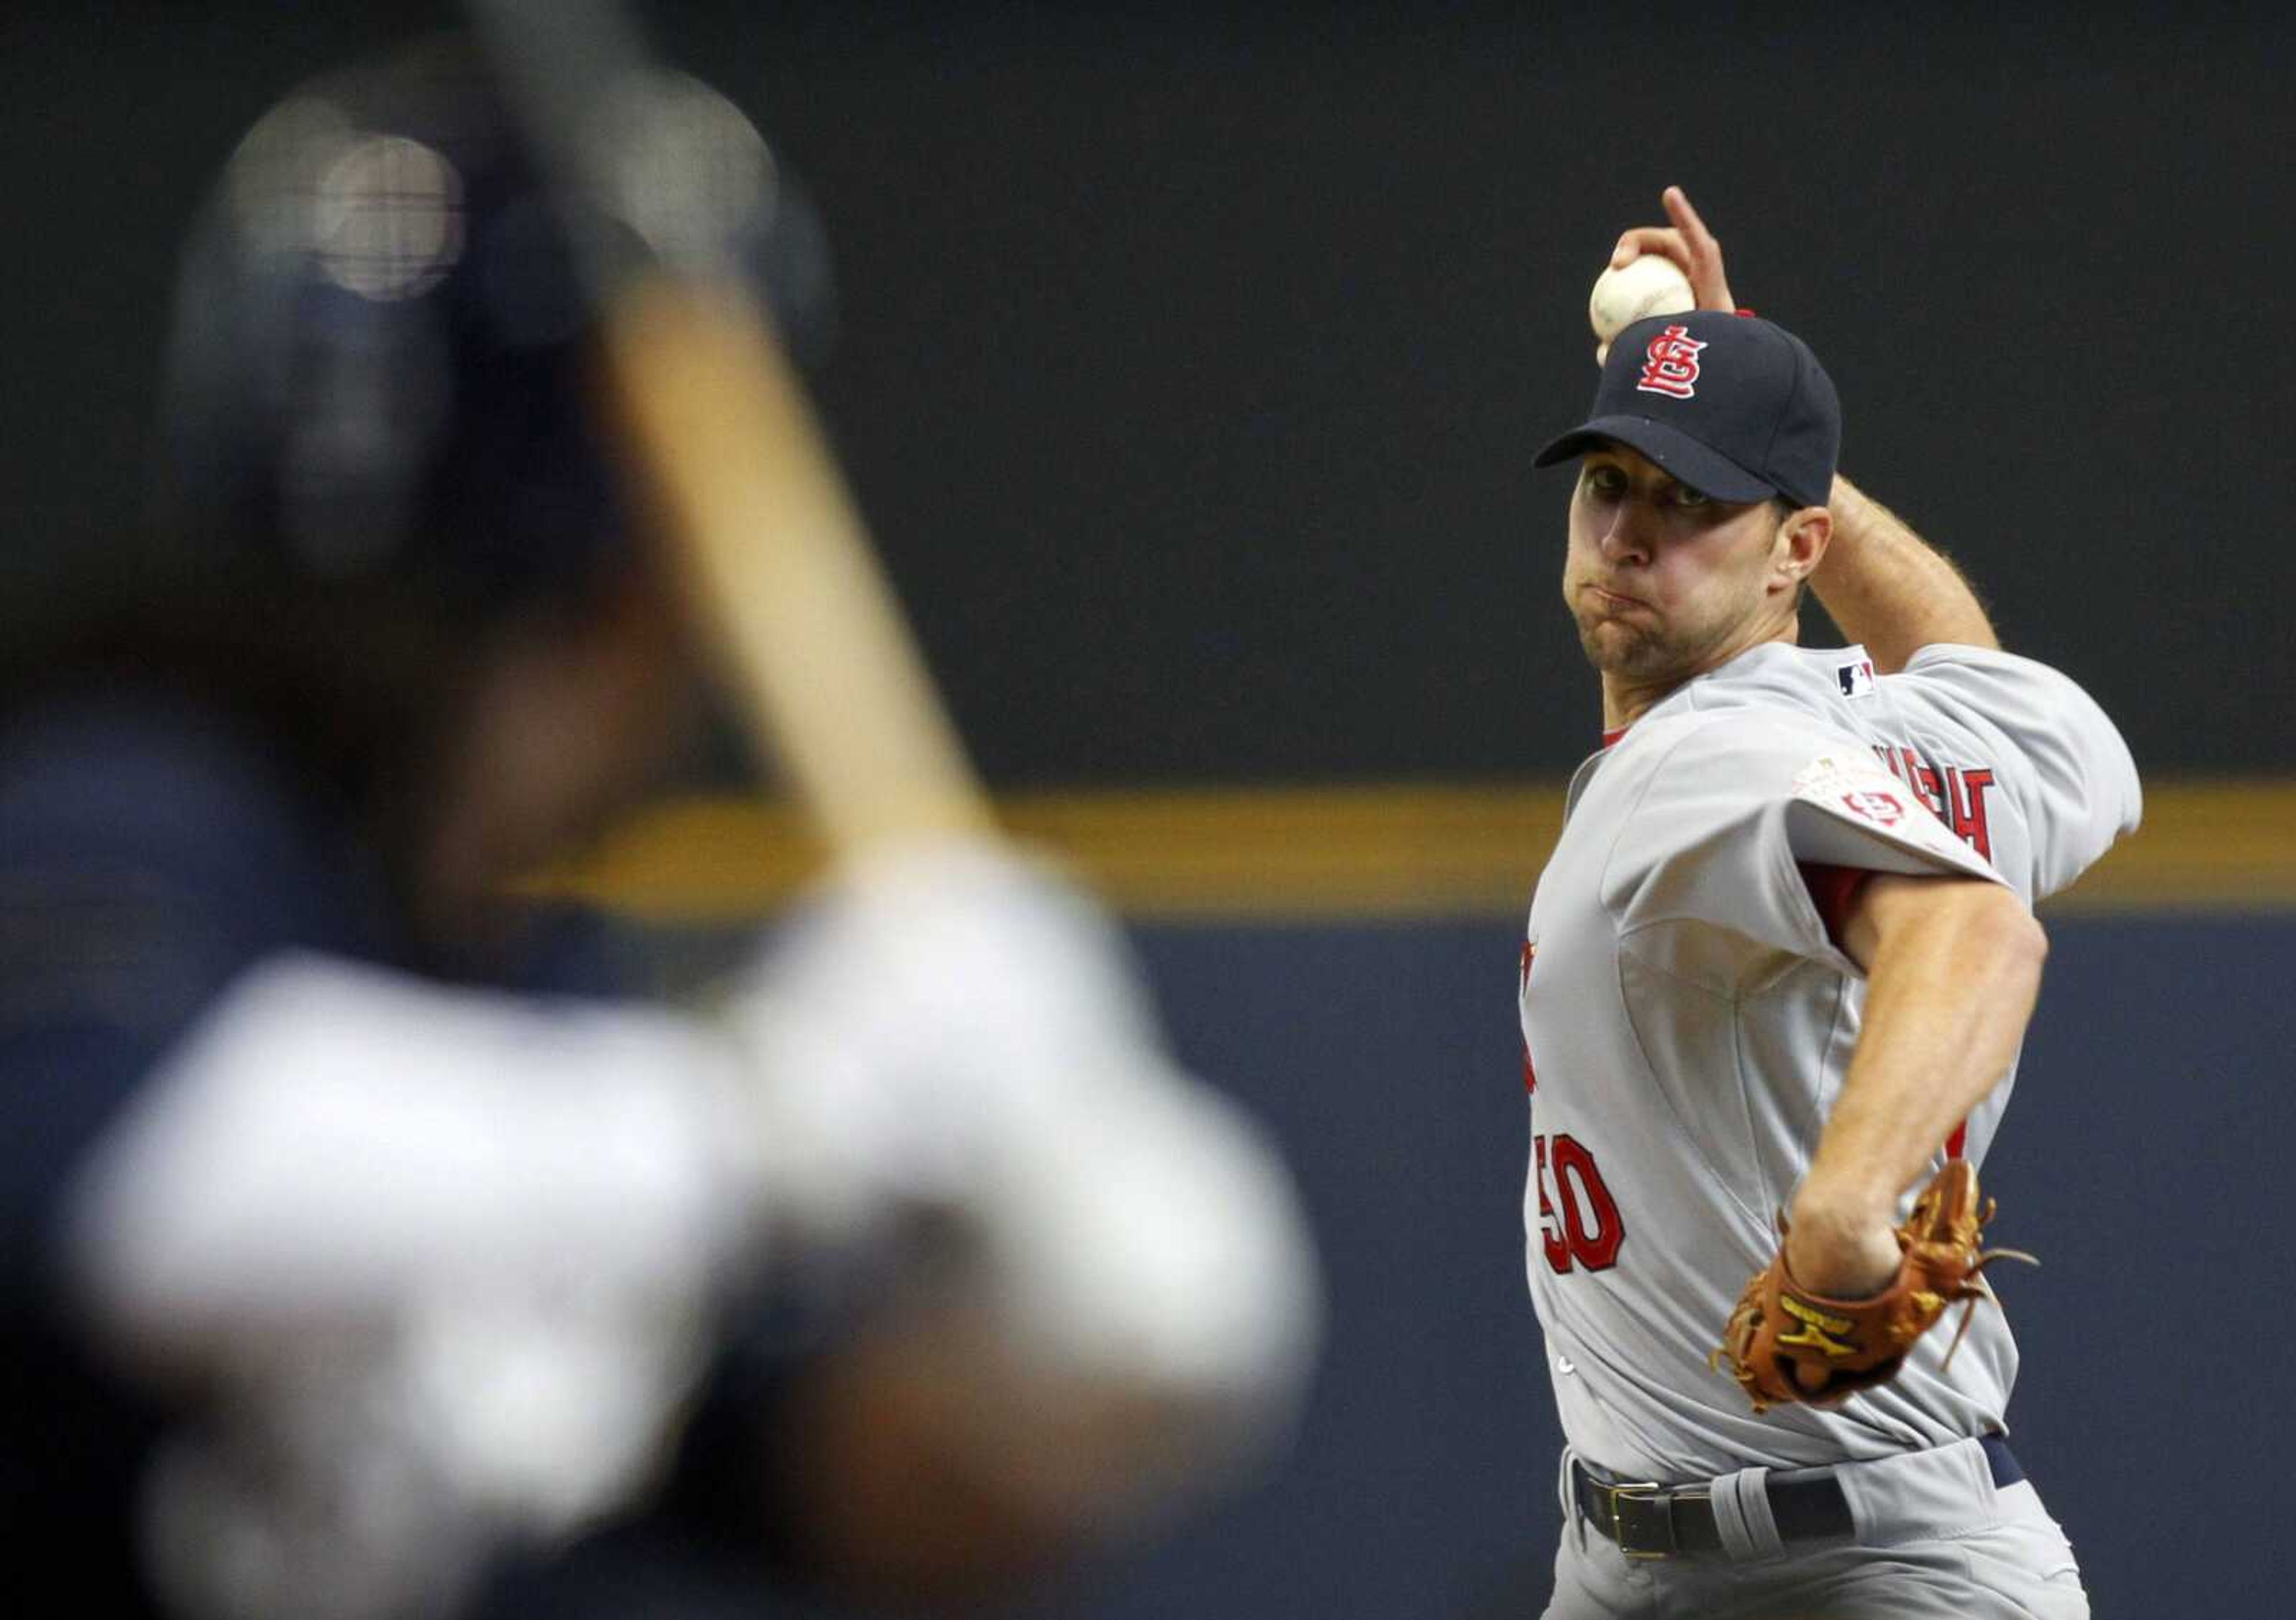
(1701, 251)
(1664, 240)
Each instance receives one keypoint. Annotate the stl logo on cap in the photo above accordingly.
(1670, 363)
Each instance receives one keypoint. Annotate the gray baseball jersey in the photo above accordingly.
(1688, 1019)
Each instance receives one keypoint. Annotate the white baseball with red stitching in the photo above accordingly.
(1651, 284)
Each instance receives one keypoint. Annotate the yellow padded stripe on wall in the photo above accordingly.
(1401, 851)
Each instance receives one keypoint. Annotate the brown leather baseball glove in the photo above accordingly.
(1785, 1344)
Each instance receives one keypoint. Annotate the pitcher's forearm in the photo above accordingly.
(1954, 969)
(1892, 590)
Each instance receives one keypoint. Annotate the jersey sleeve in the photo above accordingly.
(2079, 789)
(1707, 877)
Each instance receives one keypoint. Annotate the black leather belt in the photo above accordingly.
(1652, 1521)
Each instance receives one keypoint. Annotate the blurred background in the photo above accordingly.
(1191, 358)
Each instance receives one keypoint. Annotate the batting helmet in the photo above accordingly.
(380, 343)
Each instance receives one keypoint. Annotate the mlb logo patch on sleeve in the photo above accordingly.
(1855, 678)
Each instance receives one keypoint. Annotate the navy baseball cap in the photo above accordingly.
(1735, 406)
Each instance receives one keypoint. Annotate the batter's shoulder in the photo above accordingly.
(142, 814)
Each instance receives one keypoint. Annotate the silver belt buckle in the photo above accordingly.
(1654, 1507)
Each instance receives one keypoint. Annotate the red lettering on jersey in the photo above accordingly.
(1597, 1250)
(1923, 780)
(1588, 1232)
(1966, 812)
(1670, 363)
(1550, 1230)
(1954, 794)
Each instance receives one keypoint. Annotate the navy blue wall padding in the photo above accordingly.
(2144, 1159)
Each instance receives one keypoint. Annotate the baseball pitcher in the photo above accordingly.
(1773, 990)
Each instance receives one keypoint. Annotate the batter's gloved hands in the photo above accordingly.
(957, 1032)
(1785, 1344)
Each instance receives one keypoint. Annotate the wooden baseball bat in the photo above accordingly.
(741, 477)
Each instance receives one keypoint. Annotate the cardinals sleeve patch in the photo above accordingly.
(1855, 789)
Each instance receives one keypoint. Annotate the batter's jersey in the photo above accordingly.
(153, 849)
(1687, 1019)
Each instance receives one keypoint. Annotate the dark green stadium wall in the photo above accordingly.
(1194, 354)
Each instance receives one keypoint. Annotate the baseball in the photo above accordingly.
(1651, 284)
